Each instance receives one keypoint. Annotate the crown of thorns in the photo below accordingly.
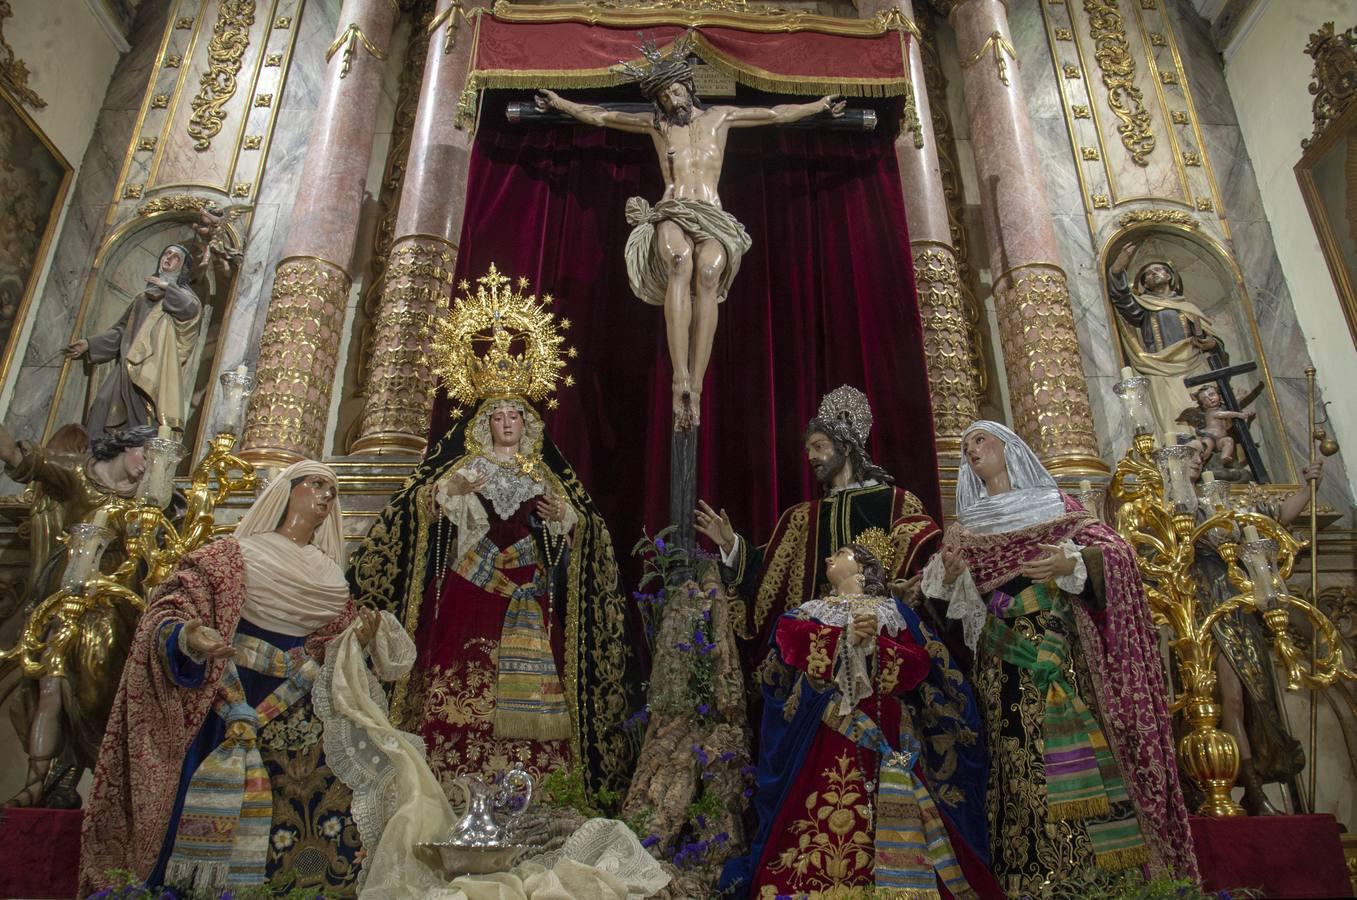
(660, 71)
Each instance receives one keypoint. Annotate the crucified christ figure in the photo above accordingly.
(684, 252)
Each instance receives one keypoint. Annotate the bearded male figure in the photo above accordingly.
(860, 505)
(684, 252)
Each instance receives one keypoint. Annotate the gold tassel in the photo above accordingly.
(1080, 809)
(1123, 858)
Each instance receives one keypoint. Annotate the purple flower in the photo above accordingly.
(683, 647)
(721, 838)
(706, 615)
(659, 544)
(650, 840)
(747, 793)
(703, 709)
(711, 592)
(701, 755)
(702, 823)
(726, 757)
(637, 595)
(748, 771)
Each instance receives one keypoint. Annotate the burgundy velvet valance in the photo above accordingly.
(515, 48)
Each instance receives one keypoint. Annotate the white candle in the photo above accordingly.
(165, 433)
(100, 519)
(1208, 477)
(1085, 485)
(1127, 372)
(1250, 533)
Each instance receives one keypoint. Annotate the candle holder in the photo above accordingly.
(85, 546)
(1179, 494)
(157, 482)
(1259, 556)
(236, 388)
(1215, 494)
(1134, 393)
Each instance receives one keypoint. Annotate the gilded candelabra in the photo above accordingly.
(1158, 514)
(151, 543)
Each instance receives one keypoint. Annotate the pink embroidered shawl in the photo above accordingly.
(1122, 651)
(154, 720)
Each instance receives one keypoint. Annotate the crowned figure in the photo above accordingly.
(684, 252)
(501, 567)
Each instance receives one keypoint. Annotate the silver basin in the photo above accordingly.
(454, 859)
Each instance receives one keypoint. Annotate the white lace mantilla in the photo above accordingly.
(852, 674)
(508, 488)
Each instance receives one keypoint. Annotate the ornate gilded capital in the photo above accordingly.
(1334, 79)
(1045, 371)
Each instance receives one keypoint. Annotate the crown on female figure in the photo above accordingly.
(849, 405)
(660, 71)
(499, 341)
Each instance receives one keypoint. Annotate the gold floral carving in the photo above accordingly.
(1204, 204)
(1179, 117)
(349, 39)
(184, 24)
(297, 356)
(225, 55)
(14, 71)
(1334, 79)
(132, 192)
(818, 661)
(1044, 368)
(1168, 77)
(146, 143)
(1101, 201)
(947, 341)
(160, 101)
(176, 203)
(833, 841)
(1164, 216)
(1080, 111)
(1126, 101)
(997, 44)
(1089, 153)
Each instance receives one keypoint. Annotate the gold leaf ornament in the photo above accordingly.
(497, 340)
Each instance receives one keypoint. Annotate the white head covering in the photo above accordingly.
(267, 512)
(1035, 498)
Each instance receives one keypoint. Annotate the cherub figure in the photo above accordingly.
(1213, 423)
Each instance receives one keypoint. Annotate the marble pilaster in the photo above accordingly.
(300, 344)
(400, 387)
(1047, 389)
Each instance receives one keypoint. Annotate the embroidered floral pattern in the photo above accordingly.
(834, 847)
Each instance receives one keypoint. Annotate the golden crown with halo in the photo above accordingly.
(499, 341)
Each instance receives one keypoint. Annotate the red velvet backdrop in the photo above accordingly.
(826, 296)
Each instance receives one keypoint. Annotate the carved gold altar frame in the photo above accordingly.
(9, 344)
(1332, 140)
(1145, 224)
(184, 216)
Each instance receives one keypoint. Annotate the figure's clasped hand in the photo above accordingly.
(368, 620)
(863, 627)
(834, 104)
(1054, 563)
(551, 508)
(715, 526)
(545, 100)
(952, 565)
(206, 642)
(459, 485)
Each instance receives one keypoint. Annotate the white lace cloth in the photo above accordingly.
(506, 490)
(964, 602)
(397, 802)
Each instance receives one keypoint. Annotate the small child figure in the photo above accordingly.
(1213, 423)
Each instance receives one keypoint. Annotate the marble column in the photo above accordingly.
(1045, 373)
(300, 344)
(953, 373)
(400, 386)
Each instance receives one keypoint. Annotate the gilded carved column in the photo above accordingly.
(428, 223)
(300, 344)
(953, 371)
(1042, 362)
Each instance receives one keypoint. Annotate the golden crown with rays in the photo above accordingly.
(882, 547)
(500, 341)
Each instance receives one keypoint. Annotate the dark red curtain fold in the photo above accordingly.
(825, 297)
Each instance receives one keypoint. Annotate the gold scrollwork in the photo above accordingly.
(241, 189)
(176, 203)
(1126, 101)
(1162, 216)
(349, 39)
(997, 44)
(1334, 82)
(225, 55)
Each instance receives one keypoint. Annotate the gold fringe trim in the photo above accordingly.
(1124, 858)
(529, 727)
(1080, 809)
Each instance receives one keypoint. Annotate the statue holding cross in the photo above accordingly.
(684, 252)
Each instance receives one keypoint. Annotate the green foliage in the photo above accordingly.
(1129, 884)
(565, 789)
(124, 885)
